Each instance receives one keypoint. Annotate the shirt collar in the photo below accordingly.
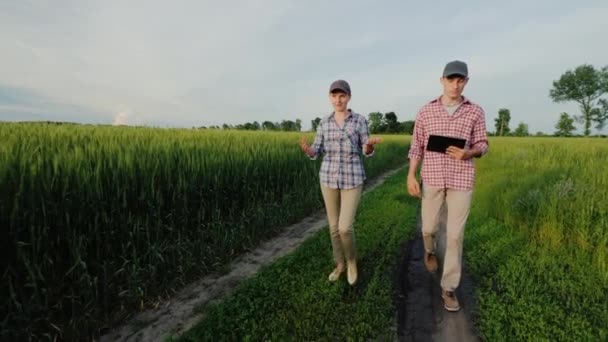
(464, 100)
(349, 113)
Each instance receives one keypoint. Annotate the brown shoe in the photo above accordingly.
(430, 261)
(450, 302)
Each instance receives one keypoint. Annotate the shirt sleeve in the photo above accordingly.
(417, 144)
(479, 136)
(317, 145)
(364, 136)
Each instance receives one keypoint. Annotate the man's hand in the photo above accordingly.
(459, 153)
(369, 147)
(413, 187)
(304, 146)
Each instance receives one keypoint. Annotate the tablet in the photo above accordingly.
(440, 143)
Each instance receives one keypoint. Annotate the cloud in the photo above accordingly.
(197, 63)
(121, 119)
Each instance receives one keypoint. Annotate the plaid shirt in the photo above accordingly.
(342, 167)
(438, 169)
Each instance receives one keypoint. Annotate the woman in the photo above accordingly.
(341, 136)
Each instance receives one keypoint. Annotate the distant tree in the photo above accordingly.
(502, 122)
(268, 126)
(540, 134)
(256, 126)
(521, 130)
(226, 126)
(391, 123)
(585, 85)
(407, 127)
(376, 124)
(298, 125)
(565, 126)
(315, 123)
(288, 126)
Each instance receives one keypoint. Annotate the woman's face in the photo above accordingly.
(339, 101)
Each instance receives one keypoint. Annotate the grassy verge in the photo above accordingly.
(537, 240)
(292, 299)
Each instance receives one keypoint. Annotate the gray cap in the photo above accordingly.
(456, 68)
(340, 85)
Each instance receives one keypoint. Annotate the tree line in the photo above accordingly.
(379, 123)
(584, 85)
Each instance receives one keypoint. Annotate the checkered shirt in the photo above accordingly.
(438, 169)
(342, 167)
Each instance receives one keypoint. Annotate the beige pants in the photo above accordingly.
(458, 205)
(341, 207)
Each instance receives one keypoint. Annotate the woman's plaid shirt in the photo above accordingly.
(342, 167)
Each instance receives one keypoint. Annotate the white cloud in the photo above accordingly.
(121, 119)
(201, 63)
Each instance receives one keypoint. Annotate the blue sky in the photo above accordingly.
(194, 63)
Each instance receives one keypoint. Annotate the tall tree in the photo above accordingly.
(565, 126)
(375, 122)
(521, 130)
(585, 85)
(502, 122)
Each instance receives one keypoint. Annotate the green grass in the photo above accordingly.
(100, 222)
(292, 299)
(537, 240)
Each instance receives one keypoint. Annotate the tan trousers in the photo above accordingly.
(458, 205)
(341, 207)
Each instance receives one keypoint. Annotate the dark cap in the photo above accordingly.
(456, 68)
(340, 85)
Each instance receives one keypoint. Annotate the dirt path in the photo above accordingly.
(179, 314)
(420, 312)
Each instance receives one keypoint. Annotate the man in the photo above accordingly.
(447, 177)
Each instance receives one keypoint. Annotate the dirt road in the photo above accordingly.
(420, 312)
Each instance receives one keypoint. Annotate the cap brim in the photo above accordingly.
(455, 74)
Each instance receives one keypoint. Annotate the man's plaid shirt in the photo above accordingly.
(438, 169)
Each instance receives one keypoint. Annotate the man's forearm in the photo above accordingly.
(475, 152)
(413, 167)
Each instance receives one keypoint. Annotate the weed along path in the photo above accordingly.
(181, 313)
(420, 312)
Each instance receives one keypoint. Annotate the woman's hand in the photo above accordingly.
(304, 146)
(369, 147)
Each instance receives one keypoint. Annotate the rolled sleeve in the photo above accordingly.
(417, 145)
(480, 136)
(363, 129)
(317, 145)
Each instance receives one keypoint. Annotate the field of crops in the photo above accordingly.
(537, 241)
(98, 222)
(536, 244)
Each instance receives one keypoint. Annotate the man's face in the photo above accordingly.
(453, 85)
(339, 101)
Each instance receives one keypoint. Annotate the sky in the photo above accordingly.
(201, 63)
